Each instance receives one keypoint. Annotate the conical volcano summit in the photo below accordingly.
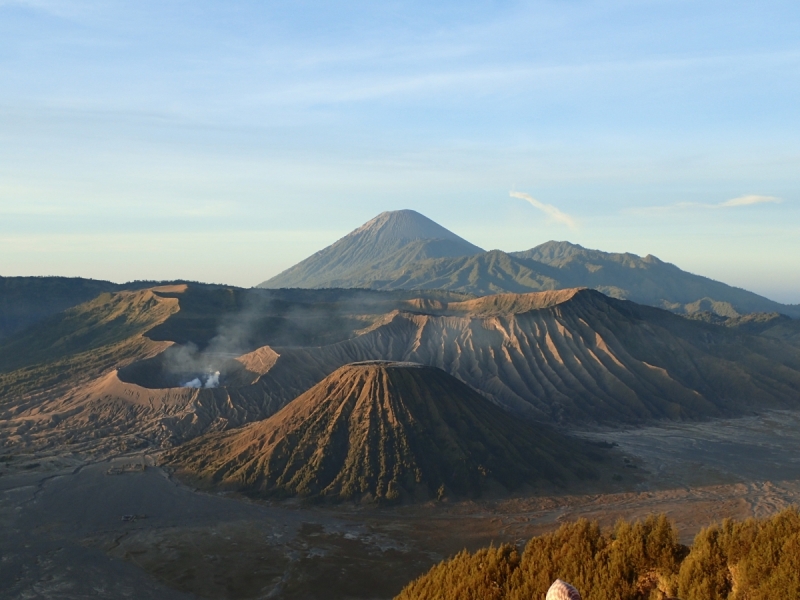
(385, 243)
(386, 431)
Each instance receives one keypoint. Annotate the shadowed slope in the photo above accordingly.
(384, 431)
(105, 373)
(481, 274)
(83, 342)
(107, 319)
(26, 300)
(769, 325)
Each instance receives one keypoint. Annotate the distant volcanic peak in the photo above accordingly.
(391, 238)
(385, 364)
(405, 250)
(405, 225)
(384, 431)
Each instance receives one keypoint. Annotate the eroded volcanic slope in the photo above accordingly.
(569, 356)
(107, 373)
(385, 431)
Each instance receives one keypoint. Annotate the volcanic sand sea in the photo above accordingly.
(62, 534)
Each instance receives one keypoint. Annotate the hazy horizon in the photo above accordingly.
(225, 143)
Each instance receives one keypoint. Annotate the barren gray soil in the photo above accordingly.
(62, 533)
(765, 447)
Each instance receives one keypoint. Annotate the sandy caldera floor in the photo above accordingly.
(62, 533)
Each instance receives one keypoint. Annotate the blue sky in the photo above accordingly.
(225, 141)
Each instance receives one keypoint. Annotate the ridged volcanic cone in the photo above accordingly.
(384, 431)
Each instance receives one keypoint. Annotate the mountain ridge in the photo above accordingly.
(362, 260)
(25, 301)
(109, 370)
(584, 358)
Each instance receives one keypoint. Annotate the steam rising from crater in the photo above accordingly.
(191, 367)
(211, 381)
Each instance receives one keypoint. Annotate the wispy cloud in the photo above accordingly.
(427, 77)
(749, 200)
(551, 211)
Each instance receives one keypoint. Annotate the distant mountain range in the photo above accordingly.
(406, 250)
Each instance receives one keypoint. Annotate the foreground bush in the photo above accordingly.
(750, 560)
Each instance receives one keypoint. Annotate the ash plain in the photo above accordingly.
(76, 526)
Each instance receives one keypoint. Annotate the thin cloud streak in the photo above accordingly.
(357, 87)
(551, 211)
(748, 200)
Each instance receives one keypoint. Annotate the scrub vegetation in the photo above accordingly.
(643, 560)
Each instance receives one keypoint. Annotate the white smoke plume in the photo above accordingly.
(211, 381)
(201, 368)
(548, 209)
(267, 316)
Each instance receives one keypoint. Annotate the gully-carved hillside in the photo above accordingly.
(570, 356)
(163, 366)
(386, 432)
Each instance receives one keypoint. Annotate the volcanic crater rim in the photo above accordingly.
(388, 364)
